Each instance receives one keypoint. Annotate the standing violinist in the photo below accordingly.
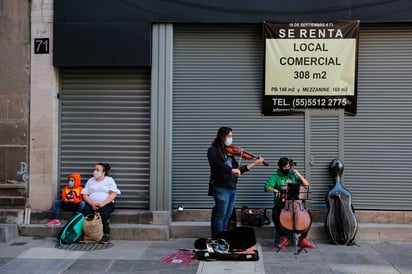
(275, 184)
(224, 173)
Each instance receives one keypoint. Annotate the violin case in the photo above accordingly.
(232, 245)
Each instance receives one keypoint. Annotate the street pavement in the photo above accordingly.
(40, 255)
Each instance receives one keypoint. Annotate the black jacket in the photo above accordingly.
(220, 173)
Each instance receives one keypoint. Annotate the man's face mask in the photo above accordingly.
(71, 183)
(285, 171)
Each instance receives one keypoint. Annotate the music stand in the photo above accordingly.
(293, 191)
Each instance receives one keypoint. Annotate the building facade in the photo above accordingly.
(14, 102)
(145, 86)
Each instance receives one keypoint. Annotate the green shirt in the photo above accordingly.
(277, 181)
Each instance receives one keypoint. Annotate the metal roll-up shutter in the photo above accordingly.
(105, 118)
(378, 139)
(217, 81)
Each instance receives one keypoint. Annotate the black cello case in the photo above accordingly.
(341, 224)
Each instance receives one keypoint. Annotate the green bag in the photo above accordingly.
(72, 231)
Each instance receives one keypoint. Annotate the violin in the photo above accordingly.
(237, 151)
(294, 218)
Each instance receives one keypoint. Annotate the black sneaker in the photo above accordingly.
(105, 239)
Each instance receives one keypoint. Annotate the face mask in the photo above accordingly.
(71, 184)
(228, 141)
(285, 171)
(97, 174)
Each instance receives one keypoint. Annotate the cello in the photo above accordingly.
(294, 218)
(341, 223)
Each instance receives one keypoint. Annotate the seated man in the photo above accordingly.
(71, 199)
(275, 184)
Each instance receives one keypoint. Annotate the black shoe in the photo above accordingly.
(105, 239)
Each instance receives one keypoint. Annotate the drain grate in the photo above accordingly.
(85, 247)
(18, 243)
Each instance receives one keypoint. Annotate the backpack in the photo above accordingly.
(254, 216)
(72, 231)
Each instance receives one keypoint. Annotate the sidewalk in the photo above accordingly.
(39, 255)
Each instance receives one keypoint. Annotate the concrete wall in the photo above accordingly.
(44, 105)
(14, 89)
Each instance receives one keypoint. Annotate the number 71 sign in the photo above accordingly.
(41, 45)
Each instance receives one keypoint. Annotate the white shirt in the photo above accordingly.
(99, 191)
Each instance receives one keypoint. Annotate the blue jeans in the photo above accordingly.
(60, 205)
(225, 199)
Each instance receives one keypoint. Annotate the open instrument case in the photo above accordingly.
(235, 245)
